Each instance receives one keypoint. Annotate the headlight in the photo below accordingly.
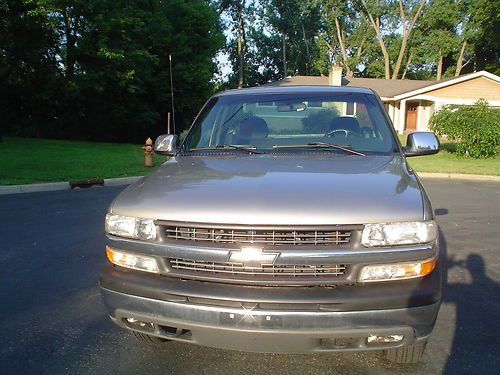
(131, 227)
(396, 271)
(133, 261)
(406, 233)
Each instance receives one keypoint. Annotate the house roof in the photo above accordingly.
(448, 82)
(379, 85)
(386, 88)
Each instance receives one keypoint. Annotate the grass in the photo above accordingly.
(446, 161)
(29, 160)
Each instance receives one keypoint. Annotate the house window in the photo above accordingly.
(350, 109)
(265, 104)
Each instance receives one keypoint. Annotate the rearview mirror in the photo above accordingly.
(166, 144)
(421, 143)
(292, 107)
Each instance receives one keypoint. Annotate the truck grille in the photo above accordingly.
(291, 270)
(330, 237)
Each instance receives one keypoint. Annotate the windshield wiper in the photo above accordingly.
(323, 145)
(249, 149)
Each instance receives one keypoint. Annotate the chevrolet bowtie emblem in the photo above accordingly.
(252, 257)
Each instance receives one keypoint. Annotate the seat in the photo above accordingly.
(252, 129)
(345, 123)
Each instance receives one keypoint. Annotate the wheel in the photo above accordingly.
(407, 354)
(148, 338)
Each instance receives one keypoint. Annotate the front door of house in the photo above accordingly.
(411, 116)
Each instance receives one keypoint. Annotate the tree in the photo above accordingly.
(344, 36)
(379, 12)
(98, 69)
(291, 27)
(486, 49)
(449, 34)
(435, 38)
(237, 13)
(28, 68)
(480, 35)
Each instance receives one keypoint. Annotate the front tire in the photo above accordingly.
(407, 354)
(148, 338)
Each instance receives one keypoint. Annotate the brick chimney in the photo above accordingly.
(335, 76)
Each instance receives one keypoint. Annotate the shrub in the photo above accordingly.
(474, 128)
(183, 135)
(319, 121)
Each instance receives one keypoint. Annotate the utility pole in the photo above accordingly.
(172, 93)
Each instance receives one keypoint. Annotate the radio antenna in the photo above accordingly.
(172, 93)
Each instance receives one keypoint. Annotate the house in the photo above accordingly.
(411, 103)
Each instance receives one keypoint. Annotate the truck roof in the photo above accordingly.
(296, 90)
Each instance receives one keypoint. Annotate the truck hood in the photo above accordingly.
(305, 189)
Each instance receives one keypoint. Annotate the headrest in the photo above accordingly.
(253, 127)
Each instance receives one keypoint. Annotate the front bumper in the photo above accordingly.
(272, 331)
(273, 319)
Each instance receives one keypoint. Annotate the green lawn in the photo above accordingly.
(29, 160)
(446, 161)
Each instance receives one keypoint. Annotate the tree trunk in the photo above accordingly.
(406, 34)
(460, 60)
(341, 39)
(284, 53)
(239, 40)
(407, 65)
(402, 51)
(385, 53)
(440, 66)
(69, 60)
(307, 48)
(376, 26)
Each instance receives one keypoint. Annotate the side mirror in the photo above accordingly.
(421, 143)
(166, 144)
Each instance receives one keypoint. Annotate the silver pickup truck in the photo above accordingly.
(288, 220)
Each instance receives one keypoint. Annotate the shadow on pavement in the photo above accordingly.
(475, 346)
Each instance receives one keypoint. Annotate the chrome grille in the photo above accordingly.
(291, 270)
(271, 237)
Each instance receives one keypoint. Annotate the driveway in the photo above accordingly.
(52, 320)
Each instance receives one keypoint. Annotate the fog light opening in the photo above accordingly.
(172, 331)
(374, 339)
(139, 325)
(340, 342)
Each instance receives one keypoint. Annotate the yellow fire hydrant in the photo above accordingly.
(148, 153)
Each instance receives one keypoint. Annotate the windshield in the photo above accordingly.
(292, 122)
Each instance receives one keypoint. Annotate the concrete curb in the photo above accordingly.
(53, 186)
(459, 176)
(31, 188)
(120, 181)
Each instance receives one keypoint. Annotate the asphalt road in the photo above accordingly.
(52, 320)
